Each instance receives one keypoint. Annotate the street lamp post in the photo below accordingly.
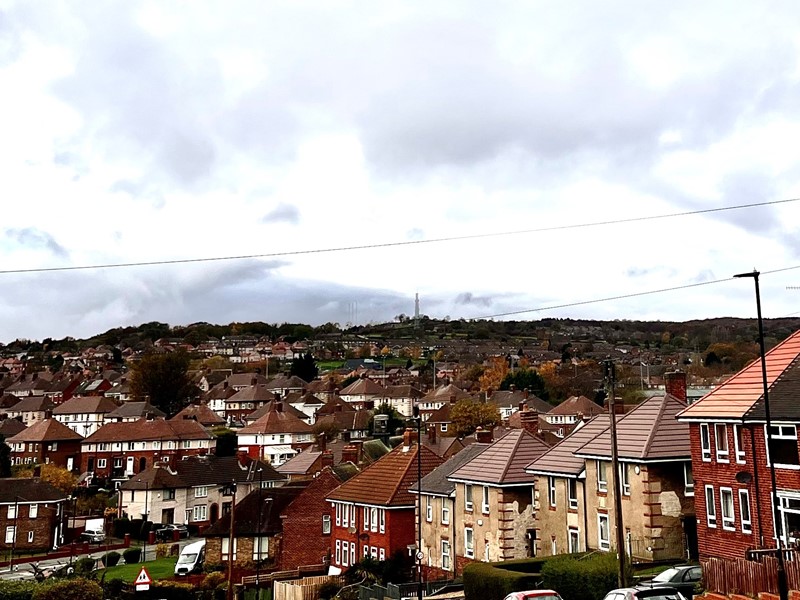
(418, 557)
(258, 533)
(783, 585)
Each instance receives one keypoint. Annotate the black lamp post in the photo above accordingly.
(418, 557)
(783, 585)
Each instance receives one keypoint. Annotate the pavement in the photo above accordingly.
(26, 571)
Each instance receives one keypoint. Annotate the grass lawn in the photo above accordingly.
(162, 568)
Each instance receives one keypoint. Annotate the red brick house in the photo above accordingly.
(46, 442)
(730, 458)
(119, 450)
(31, 515)
(374, 512)
(307, 524)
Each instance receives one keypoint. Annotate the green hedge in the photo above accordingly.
(132, 555)
(17, 590)
(73, 589)
(488, 582)
(586, 578)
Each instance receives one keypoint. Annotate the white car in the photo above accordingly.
(94, 536)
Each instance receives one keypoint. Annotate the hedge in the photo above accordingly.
(72, 589)
(132, 555)
(111, 559)
(121, 527)
(586, 578)
(84, 566)
(18, 590)
(171, 590)
(488, 582)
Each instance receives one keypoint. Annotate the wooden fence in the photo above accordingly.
(304, 589)
(749, 577)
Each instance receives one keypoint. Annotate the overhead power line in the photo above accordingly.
(439, 240)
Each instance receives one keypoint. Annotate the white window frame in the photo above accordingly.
(446, 556)
(339, 552)
(11, 533)
(345, 554)
(781, 435)
(711, 508)
(30, 537)
(201, 491)
(738, 430)
(338, 509)
(468, 497)
(326, 524)
(366, 517)
(602, 484)
(688, 487)
(576, 546)
(263, 542)
(744, 501)
(551, 492)
(469, 542)
(33, 511)
(346, 516)
(485, 500)
(381, 554)
(12, 511)
(428, 509)
(101, 463)
(445, 511)
(705, 442)
(722, 452)
(572, 498)
(200, 513)
(603, 544)
(382, 517)
(728, 520)
(373, 519)
(624, 478)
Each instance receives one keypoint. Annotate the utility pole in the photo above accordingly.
(258, 532)
(231, 542)
(609, 372)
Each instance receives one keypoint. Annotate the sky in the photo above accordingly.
(138, 131)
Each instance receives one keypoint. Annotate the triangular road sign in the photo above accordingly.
(143, 578)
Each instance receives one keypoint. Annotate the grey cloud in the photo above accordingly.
(645, 271)
(748, 188)
(470, 298)
(283, 213)
(32, 237)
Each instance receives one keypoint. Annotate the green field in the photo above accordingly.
(162, 568)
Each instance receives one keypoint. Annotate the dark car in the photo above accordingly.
(166, 533)
(645, 592)
(683, 578)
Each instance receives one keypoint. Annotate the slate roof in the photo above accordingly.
(742, 395)
(560, 460)
(437, 483)
(577, 405)
(130, 410)
(48, 430)
(504, 461)
(28, 490)
(200, 413)
(258, 513)
(80, 405)
(144, 429)
(202, 470)
(275, 421)
(386, 482)
(648, 433)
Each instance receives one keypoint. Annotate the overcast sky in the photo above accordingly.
(146, 131)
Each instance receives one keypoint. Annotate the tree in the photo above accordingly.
(226, 441)
(467, 415)
(327, 429)
(396, 421)
(56, 476)
(494, 374)
(305, 367)
(163, 379)
(526, 379)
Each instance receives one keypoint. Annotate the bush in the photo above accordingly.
(586, 578)
(74, 589)
(212, 567)
(18, 590)
(112, 588)
(136, 529)
(121, 527)
(213, 580)
(132, 555)
(172, 590)
(486, 581)
(84, 566)
(162, 550)
(175, 550)
(110, 559)
(328, 590)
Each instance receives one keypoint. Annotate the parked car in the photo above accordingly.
(94, 536)
(191, 558)
(534, 595)
(645, 592)
(166, 532)
(683, 578)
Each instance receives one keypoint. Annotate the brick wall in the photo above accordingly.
(43, 527)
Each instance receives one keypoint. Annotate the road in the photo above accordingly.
(25, 571)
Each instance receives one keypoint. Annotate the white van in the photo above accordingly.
(191, 558)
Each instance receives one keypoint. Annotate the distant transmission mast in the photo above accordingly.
(416, 311)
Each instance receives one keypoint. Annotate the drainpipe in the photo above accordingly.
(585, 520)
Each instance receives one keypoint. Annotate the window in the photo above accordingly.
(366, 518)
(30, 537)
(346, 516)
(117, 463)
(726, 504)
(574, 540)
(33, 511)
(260, 545)
(444, 427)
(486, 552)
(382, 515)
(467, 497)
(10, 534)
(688, 479)
(783, 445)
(711, 510)
(12, 511)
(199, 514)
(721, 442)
(201, 492)
(101, 463)
(624, 479)
(226, 547)
(338, 552)
(572, 493)
(705, 442)
(738, 443)
(603, 537)
(326, 524)
(428, 509)
(381, 554)
(169, 494)
(373, 519)
(485, 501)
(744, 511)
(553, 546)
(551, 492)
(131, 445)
(469, 543)
(446, 555)
(445, 511)
(352, 515)
(602, 478)
(338, 515)
(345, 554)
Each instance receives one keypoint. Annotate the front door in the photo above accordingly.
(70, 463)
(129, 466)
(214, 513)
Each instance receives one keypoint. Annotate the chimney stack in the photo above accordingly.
(483, 436)
(527, 393)
(523, 406)
(350, 454)
(243, 458)
(409, 437)
(279, 407)
(452, 398)
(529, 419)
(253, 381)
(322, 443)
(513, 387)
(676, 384)
(432, 433)
(326, 460)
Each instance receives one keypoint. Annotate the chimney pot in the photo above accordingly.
(409, 437)
(483, 436)
(432, 433)
(513, 387)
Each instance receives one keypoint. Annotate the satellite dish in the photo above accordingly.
(744, 477)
